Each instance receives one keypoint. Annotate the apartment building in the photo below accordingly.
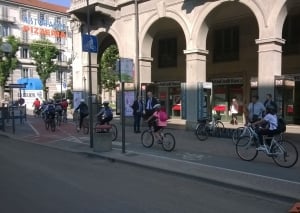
(244, 48)
(31, 20)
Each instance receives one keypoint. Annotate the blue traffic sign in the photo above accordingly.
(89, 43)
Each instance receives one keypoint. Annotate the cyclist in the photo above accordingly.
(105, 115)
(58, 108)
(267, 126)
(49, 110)
(159, 122)
(84, 112)
(64, 105)
(36, 104)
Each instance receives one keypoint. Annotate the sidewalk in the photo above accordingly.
(213, 160)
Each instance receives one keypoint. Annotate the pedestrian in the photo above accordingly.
(138, 107)
(149, 104)
(83, 112)
(234, 110)
(255, 109)
(270, 102)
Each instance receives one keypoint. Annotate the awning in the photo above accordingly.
(31, 83)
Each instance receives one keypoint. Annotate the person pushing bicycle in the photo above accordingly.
(159, 121)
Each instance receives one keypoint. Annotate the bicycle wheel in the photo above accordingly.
(47, 124)
(239, 132)
(284, 154)
(246, 148)
(52, 124)
(201, 132)
(147, 138)
(114, 132)
(219, 128)
(168, 142)
(85, 126)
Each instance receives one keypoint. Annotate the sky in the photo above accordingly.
(65, 3)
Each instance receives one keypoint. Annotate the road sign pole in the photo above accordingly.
(90, 80)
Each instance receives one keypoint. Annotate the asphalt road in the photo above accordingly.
(35, 178)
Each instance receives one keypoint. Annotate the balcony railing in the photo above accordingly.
(7, 18)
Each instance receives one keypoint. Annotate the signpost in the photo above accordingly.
(125, 68)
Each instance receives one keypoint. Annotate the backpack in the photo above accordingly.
(51, 109)
(108, 113)
(281, 125)
(163, 116)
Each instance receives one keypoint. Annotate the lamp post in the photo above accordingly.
(90, 78)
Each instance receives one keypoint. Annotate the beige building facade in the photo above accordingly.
(242, 47)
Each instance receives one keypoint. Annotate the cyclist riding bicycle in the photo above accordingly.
(105, 115)
(159, 121)
(49, 110)
(58, 108)
(83, 112)
(267, 126)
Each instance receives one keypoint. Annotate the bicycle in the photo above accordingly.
(85, 123)
(107, 127)
(167, 139)
(58, 118)
(50, 122)
(279, 149)
(205, 127)
(239, 132)
(64, 116)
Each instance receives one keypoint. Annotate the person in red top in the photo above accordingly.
(36, 104)
(64, 105)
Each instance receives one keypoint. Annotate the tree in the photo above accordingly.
(109, 76)
(10, 62)
(44, 52)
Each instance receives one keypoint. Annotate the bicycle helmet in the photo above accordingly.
(156, 106)
(82, 100)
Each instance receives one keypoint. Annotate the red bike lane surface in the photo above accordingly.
(65, 131)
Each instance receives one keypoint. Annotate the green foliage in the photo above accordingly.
(109, 76)
(44, 52)
(11, 62)
(69, 95)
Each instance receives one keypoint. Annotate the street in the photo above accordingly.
(35, 178)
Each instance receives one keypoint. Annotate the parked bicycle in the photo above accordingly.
(206, 127)
(283, 152)
(167, 140)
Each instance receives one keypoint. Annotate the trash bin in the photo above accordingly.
(102, 138)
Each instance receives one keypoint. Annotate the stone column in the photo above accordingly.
(195, 72)
(269, 64)
(145, 69)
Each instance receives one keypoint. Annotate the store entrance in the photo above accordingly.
(168, 94)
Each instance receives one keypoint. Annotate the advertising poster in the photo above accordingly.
(125, 67)
(77, 96)
(129, 99)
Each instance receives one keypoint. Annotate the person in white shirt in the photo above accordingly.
(255, 109)
(270, 123)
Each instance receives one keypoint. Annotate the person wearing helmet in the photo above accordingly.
(84, 112)
(49, 110)
(105, 115)
(158, 120)
(266, 126)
